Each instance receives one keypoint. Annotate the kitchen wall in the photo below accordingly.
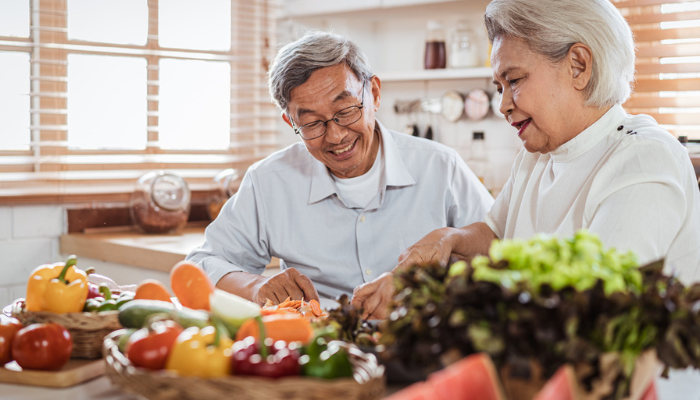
(30, 236)
(392, 33)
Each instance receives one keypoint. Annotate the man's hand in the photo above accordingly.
(434, 247)
(374, 296)
(288, 283)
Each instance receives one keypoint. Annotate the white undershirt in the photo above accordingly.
(359, 191)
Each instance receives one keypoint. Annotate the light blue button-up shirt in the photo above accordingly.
(288, 207)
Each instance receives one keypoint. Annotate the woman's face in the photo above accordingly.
(539, 99)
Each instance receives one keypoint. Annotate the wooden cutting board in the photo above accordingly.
(73, 373)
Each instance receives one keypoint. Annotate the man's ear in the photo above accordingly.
(286, 119)
(580, 65)
(376, 91)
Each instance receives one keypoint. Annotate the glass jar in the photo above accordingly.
(227, 183)
(160, 203)
(463, 52)
(435, 56)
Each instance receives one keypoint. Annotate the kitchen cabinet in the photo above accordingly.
(435, 74)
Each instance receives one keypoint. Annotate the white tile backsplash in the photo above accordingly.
(38, 221)
(5, 222)
(20, 257)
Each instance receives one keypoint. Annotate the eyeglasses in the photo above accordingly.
(346, 116)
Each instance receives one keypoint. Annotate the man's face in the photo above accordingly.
(348, 151)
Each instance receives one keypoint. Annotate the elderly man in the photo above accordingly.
(338, 208)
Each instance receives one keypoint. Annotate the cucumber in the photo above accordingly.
(188, 317)
(135, 313)
(124, 338)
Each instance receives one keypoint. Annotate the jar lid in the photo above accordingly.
(434, 25)
(170, 192)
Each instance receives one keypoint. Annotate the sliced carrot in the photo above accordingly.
(151, 289)
(191, 285)
(285, 303)
(272, 311)
(315, 308)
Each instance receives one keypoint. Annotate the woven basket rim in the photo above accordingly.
(96, 321)
(112, 355)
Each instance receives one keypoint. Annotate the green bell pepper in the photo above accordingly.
(326, 360)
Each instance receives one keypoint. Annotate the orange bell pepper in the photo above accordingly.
(60, 288)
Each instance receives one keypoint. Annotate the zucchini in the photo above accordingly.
(135, 313)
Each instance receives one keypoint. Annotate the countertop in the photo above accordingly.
(682, 385)
(160, 252)
(128, 246)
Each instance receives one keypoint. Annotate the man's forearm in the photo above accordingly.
(241, 283)
(471, 240)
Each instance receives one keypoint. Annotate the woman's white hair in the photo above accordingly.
(551, 27)
(296, 61)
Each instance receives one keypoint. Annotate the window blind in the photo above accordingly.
(51, 167)
(667, 87)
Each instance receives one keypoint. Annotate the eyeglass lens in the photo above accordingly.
(344, 117)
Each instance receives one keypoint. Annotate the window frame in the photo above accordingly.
(51, 172)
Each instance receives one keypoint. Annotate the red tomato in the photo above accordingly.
(149, 348)
(8, 329)
(42, 346)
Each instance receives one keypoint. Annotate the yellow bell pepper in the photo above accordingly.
(205, 353)
(60, 288)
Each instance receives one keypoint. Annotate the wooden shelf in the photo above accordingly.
(306, 8)
(435, 74)
(125, 245)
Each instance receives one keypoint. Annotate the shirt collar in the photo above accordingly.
(395, 174)
(590, 136)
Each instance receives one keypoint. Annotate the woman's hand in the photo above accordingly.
(441, 244)
(435, 247)
(374, 297)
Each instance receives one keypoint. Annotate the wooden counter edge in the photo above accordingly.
(89, 246)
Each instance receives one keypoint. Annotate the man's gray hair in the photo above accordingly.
(296, 61)
(551, 27)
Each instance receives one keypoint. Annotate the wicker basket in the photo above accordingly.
(161, 385)
(86, 329)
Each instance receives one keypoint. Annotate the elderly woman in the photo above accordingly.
(564, 68)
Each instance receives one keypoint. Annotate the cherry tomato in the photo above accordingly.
(150, 347)
(8, 329)
(42, 346)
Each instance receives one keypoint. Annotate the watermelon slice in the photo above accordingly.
(559, 386)
(563, 386)
(472, 378)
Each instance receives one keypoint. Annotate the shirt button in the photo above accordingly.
(368, 271)
(362, 219)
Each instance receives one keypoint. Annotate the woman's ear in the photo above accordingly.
(580, 60)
